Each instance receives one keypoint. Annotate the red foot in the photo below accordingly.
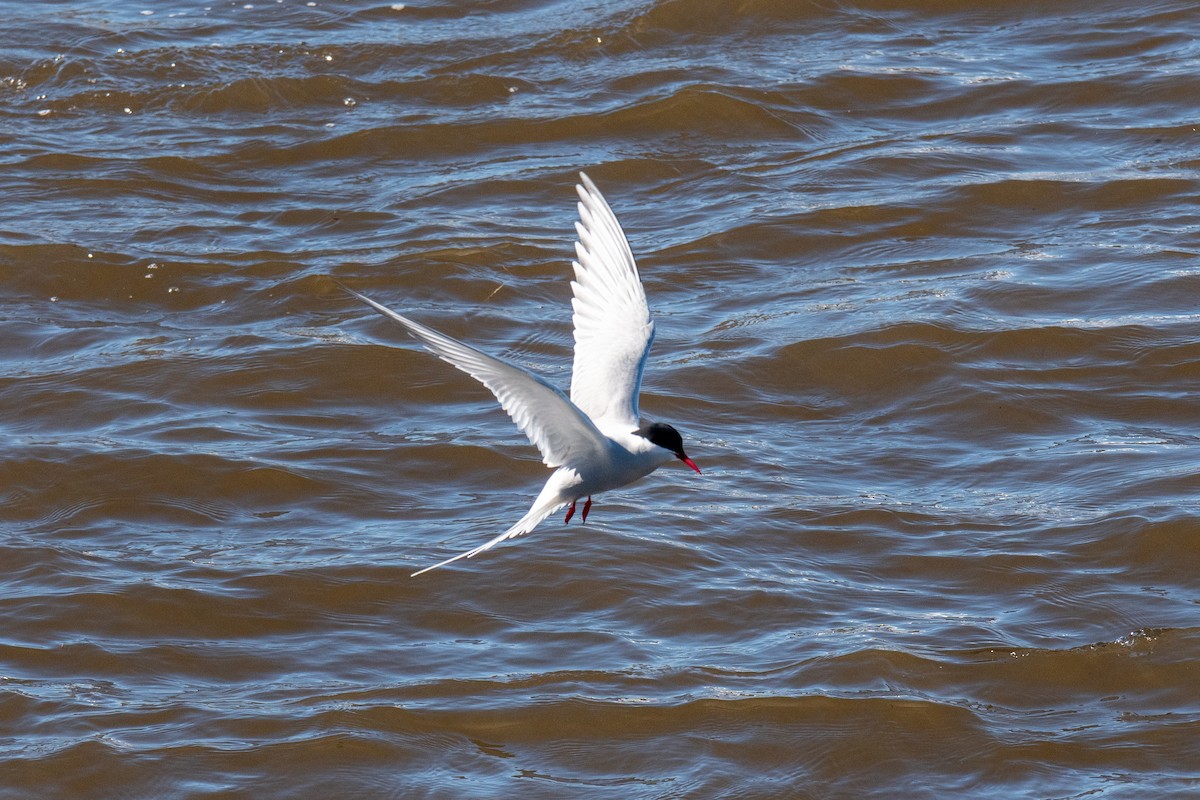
(571, 512)
(586, 508)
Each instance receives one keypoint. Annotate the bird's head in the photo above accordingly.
(666, 437)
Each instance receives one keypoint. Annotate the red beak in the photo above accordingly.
(689, 462)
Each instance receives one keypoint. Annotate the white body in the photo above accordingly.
(630, 457)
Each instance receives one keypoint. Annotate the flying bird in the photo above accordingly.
(594, 441)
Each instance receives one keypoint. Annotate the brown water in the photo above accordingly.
(928, 305)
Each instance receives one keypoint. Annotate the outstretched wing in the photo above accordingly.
(562, 432)
(613, 330)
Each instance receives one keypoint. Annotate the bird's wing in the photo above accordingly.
(613, 330)
(563, 434)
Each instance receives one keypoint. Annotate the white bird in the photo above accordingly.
(595, 440)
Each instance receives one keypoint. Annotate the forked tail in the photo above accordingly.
(524, 525)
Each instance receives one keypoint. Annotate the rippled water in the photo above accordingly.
(928, 304)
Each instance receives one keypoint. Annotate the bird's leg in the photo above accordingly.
(570, 513)
(587, 507)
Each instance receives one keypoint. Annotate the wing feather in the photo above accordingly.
(563, 433)
(613, 331)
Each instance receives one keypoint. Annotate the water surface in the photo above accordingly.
(926, 290)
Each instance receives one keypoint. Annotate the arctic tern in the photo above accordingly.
(595, 441)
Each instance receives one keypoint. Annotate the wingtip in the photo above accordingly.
(586, 184)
